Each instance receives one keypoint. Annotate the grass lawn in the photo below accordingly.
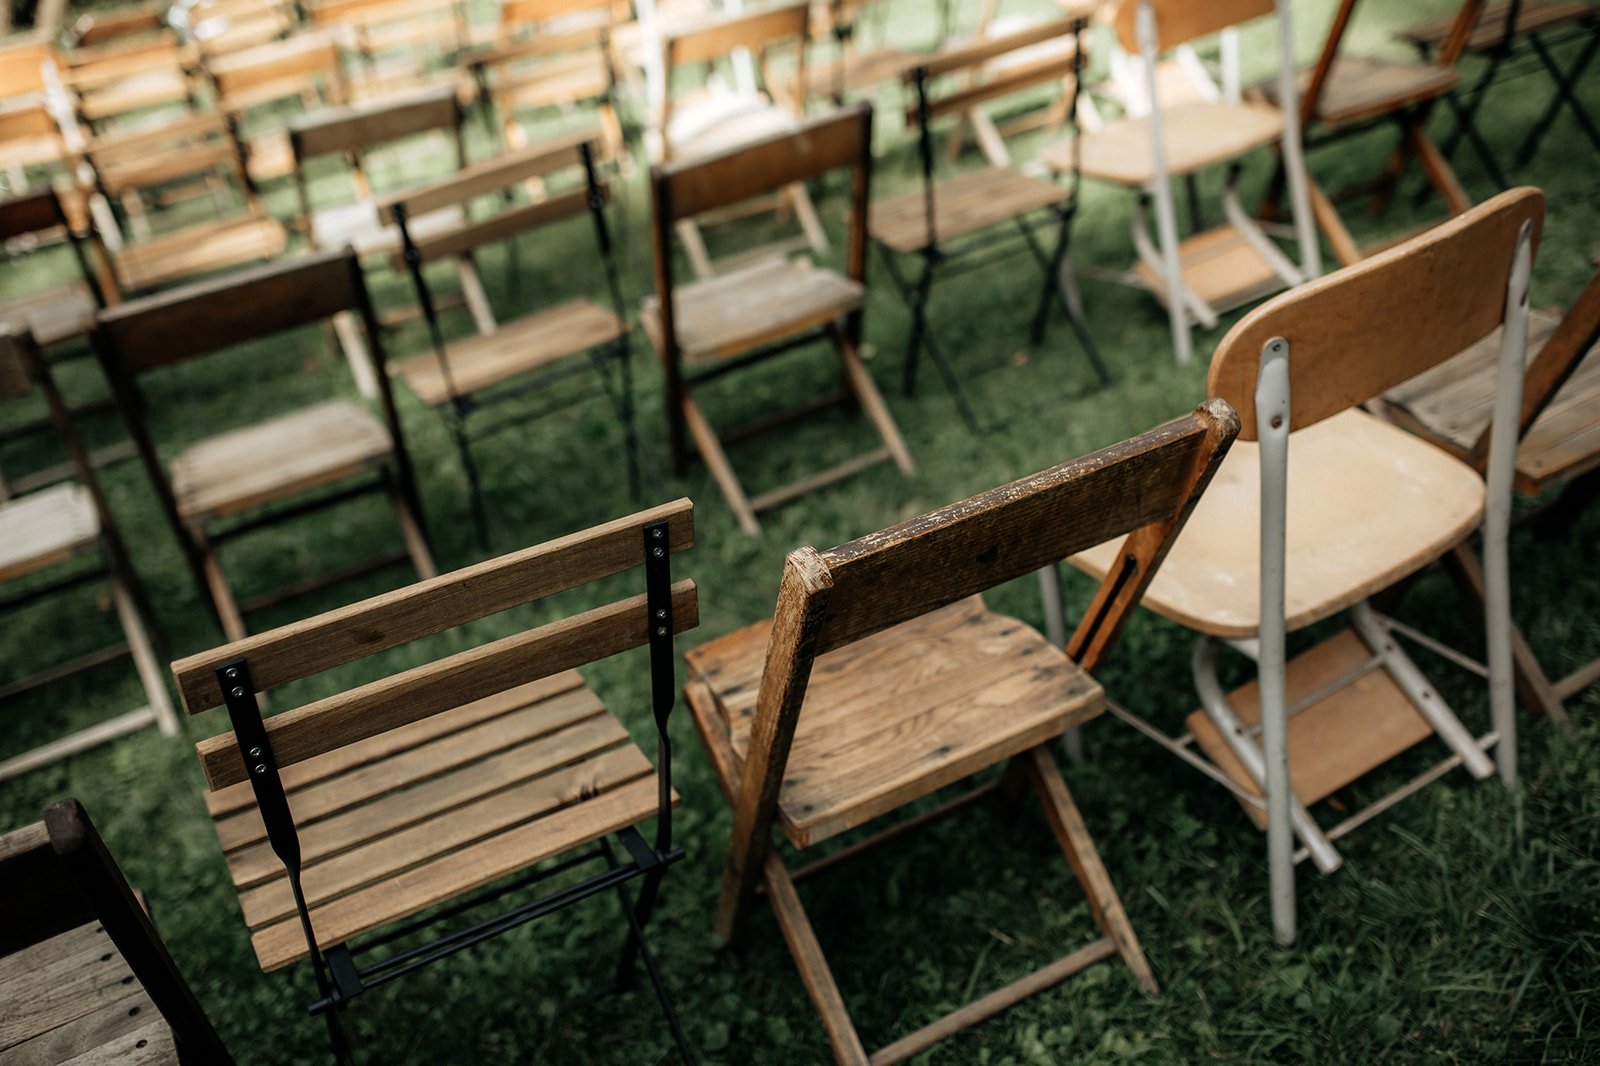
(1464, 927)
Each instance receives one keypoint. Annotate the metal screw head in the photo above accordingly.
(661, 612)
(231, 673)
(261, 767)
(237, 693)
(658, 552)
(657, 533)
(661, 631)
(255, 753)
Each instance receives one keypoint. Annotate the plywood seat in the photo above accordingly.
(530, 343)
(265, 462)
(718, 121)
(390, 825)
(963, 204)
(1368, 503)
(196, 250)
(769, 300)
(356, 224)
(955, 690)
(1199, 134)
(73, 999)
(1362, 87)
(46, 527)
(1452, 404)
(53, 315)
(1532, 17)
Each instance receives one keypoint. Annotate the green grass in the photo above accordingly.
(1464, 926)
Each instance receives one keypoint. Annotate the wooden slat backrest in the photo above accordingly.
(463, 238)
(30, 212)
(429, 607)
(196, 143)
(1455, 42)
(352, 129)
(685, 189)
(26, 118)
(488, 176)
(970, 55)
(156, 57)
(195, 320)
(1178, 21)
(758, 30)
(536, 11)
(1360, 331)
(101, 26)
(22, 67)
(275, 70)
(1049, 69)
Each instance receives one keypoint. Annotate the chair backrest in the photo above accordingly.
(189, 148)
(42, 211)
(752, 33)
(57, 875)
(26, 119)
(383, 622)
(969, 85)
(363, 127)
(1142, 489)
(271, 72)
(1358, 332)
(539, 12)
(111, 24)
(1180, 21)
(22, 67)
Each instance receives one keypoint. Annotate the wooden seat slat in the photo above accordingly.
(111, 1035)
(1199, 134)
(151, 1044)
(200, 249)
(1489, 32)
(282, 943)
(53, 315)
(61, 980)
(46, 527)
(1362, 87)
(963, 204)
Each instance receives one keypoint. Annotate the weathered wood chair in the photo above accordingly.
(55, 526)
(528, 354)
(883, 678)
(83, 972)
(957, 222)
(1291, 534)
(1216, 270)
(706, 329)
(253, 85)
(260, 473)
(1558, 443)
(416, 790)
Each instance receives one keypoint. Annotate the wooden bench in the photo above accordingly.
(351, 814)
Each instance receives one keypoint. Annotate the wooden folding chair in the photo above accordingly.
(260, 473)
(529, 353)
(400, 45)
(1212, 271)
(419, 789)
(107, 87)
(1293, 534)
(51, 528)
(883, 678)
(253, 85)
(128, 25)
(1343, 95)
(549, 55)
(1558, 444)
(83, 972)
(736, 105)
(219, 28)
(1543, 25)
(971, 217)
(705, 329)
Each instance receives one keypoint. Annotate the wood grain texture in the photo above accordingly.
(488, 176)
(1198, 134)
(46, 527)
(962, 205)
(1178, 21)
(732, 313)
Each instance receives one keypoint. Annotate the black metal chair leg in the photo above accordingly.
(1563, 83)
(480, 507)
(337, 1039)
(919, 329)
(948, 373)
(636, 945)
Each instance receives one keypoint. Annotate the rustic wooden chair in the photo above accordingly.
(109, 87)
(83, 972)
(735, 105)
(1215, 270)
(142, 252)
(1343, 95)
(401, 45)
(528, 354)
(883, 678)
(254, 85)
(551, 54)
(52, 527)
(1558, 443)
(1354, 506)
(418, 789)
(1543, 25)
(260, 473)
(958, 223)
(121, 25)
(705, 329)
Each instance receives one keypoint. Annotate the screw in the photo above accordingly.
(261, 767)
(231, 673)
(661, 612)
(658, 552)
(237, 693)
(657, 533)
(661, 631)
(255, 753)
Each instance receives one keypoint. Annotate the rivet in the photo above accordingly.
(661, 612)
(261, 767)
(231, 673)
(661, 631)
(237, 693)
(657, 532)
(1277, 421)
(255, 753)
(658, 552)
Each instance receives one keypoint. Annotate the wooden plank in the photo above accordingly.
(201, 249)
(465, 236)
(386, 621)
(110, 1027)
(729, 314)
(998, 86)
(149, 1045)
(1178, 21)
(962, 205)
(46, 527)
(812, 964)
(348, 129)
(63, 987)
(469, 675)
(708, 40)
(977, 53)
(1197, 135)
(489, 175)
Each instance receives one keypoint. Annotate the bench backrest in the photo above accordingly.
(278, 70)
(969, 85)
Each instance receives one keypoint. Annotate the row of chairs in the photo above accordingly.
(875, 683)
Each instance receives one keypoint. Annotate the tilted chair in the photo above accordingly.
(883, 678)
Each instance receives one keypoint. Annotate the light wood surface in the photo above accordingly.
(1487, 34)
(1199, 134)
(198, 250)
(52, 316)
(1359, 88)
(962, 205)
(1219, 266)
(46, 527)
(1178, 21)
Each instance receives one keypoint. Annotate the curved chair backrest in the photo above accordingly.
(1178, 21)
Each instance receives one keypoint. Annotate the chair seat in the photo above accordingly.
(963, 204)
(954, 691)
(1198, 134)
(190, 163)
(53, 315)
(530, 343)
(1368, 504)
(720, 120)
(1360, 88)
(270, 156)
(206, 248)
(1533, 16)
(73, 999)
(46, 527)
(767, 301)
(258, 464)
(356, 224)
(1452, 403)
(394, 824)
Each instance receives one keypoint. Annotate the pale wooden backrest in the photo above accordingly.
(275, 70)
(488, 175)
(1360, 331)
(21, 119)
(968, 59)
(353, 129)
(757, 30)
(1178, 21)
(433, 606)
(22, 67)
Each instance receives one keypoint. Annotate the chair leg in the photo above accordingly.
(871, 401)
(222, 600)
(1332, 226)
(405, 509)
(480, 509)
(694, 246)
(1438, 169)
(1073, 836)
(813, 966)
(142, 650)
(805, 213)
(710, 448)
(636, 946)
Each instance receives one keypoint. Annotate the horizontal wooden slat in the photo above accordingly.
(382, 622)
(107, 1035)
(488, 175)
(706, 41)
(461, 239)
(469, 675)
(973, 54)
(61, 982)
(1026, 76)
(344, 129)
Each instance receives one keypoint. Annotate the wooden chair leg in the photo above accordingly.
(142, 649)
(867, 395)
(1067, 824)
(710, 448)
(222, 600)
(813, 966)
(694, 246)
(1332, 226)
(806, 214)
(411, 530)
(355, 353)
(1438, 169)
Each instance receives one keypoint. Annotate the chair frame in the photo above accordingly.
(257, 748)
(828, 600)
(58, 875)
(142, 637)
(153, 333)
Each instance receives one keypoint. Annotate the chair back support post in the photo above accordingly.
(663, 665)
(919, 77)
(412, 257)
(597, 196)
(1148, 40)
(1294, 160)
